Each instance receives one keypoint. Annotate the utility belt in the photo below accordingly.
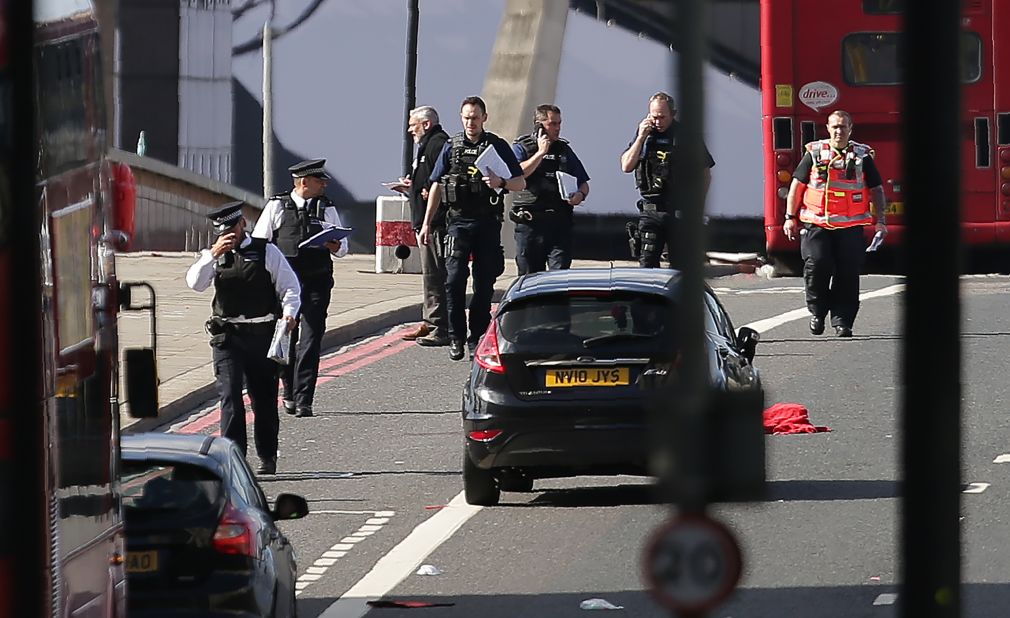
(644, 205)
(521, 214)
(220, 329)
(457, 190)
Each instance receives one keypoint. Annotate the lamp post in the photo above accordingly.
(410, 82)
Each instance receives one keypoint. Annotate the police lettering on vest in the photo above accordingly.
(541, 192)
(298, 224)
(463, 189)
(836, 195)
(242, 283)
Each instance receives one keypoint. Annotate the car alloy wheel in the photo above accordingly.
(479, 486)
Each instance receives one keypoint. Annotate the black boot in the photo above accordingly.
(455, 349)
(267, 466)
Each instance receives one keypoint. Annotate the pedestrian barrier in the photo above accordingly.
(395, 242)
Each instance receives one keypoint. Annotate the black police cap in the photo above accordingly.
(313, 167)
(226, 217)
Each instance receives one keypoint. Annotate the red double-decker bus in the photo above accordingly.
(64, 210)
(816, 58)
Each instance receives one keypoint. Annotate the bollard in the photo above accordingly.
(393, 230)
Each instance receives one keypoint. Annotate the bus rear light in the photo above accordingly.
(1005, 188)
(784, 176)
(1005, 173)
(783, 193)
(1004, 155)
(782, 159)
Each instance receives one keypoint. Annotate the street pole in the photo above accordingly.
(410, 83)
(931, 412)
(268, 112)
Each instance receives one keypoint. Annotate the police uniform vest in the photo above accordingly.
(298, 224)
(541, 192)
(243, 285)
(653, 175)
(463, 189)
(836, 195)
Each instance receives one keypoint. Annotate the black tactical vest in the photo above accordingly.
(541, 190)
(463, 188)
(653, 176)
(298, 224)
(242, 283)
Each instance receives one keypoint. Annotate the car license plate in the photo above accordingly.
(141, 561)
(590, 376)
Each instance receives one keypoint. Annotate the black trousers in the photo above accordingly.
(832, 262)
(654, 230)
(242, 357)
(544, 244)
(299, 375)
(481, 238)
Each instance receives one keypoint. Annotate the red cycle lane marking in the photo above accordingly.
(347, 362)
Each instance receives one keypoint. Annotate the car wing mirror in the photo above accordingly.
(748, 339)
(289, 506)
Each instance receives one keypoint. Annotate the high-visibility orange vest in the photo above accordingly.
(836, 194)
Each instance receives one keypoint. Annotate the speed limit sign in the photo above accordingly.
(692, 563)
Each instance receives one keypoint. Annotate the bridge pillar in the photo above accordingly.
(523, 71)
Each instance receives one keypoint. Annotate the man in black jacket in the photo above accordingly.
(429, 137)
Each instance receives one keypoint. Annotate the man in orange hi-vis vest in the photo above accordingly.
(830, 198)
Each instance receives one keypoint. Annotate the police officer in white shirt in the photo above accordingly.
(253, 287)
(287, 220)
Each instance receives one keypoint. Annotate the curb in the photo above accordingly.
(335, 337)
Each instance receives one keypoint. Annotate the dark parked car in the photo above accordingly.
(560, 381)
(200, 536)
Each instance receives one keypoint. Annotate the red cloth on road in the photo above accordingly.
(784, 418)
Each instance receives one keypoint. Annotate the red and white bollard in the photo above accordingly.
(394, 235)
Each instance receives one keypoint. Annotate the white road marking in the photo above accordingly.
(976, 488)
(887, 598)
(1004, 458)
(401, 561)
(339, 550)
(799, 314)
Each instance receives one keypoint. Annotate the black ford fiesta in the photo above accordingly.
(560, 381)
(201, 539)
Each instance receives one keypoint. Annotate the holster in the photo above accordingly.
(218, 329)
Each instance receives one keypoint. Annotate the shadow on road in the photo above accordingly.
(800, 490)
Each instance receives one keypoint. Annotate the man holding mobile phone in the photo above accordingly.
(652, 155)
(542, 214)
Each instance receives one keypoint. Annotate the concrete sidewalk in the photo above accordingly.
(363, 302)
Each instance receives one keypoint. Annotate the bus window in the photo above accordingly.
(883, 7)
(873, 58)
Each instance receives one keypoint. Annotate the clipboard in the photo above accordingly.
(328, 234)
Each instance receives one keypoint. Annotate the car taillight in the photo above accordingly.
(486, 353)
(234, 534)
(485, 435)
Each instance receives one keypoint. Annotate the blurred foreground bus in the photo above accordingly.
(816, 58)
(59, 427)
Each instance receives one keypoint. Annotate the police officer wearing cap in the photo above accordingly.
(287, 220)
(652, 155)
(473, 198)
(253, 287)
(543, 216)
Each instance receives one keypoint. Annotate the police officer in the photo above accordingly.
(287, 220)
(253, 287)
(429, 136)
(473, 198)
(543, 216)
(830, 197)
(652, 155)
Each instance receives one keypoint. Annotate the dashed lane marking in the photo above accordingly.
(339, 550)
(887, 598)
(975, 488)
(1004, 458)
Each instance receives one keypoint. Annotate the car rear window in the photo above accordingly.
(583, 317)
(161, 487)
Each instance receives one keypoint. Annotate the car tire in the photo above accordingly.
(479, 486)
(515, 482)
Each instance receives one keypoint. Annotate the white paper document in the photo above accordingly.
(491, 160)
(280, 343)
(878, 239)
(568, 185)
(329, 233)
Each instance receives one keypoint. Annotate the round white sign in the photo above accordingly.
(692, 563)
(817, 95)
